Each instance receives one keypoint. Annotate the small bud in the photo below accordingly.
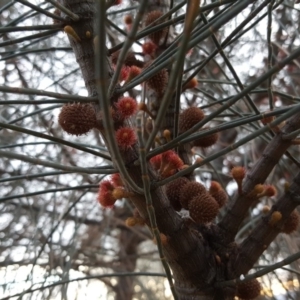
(119, 193)
(275, 218)
(167, 135)
(130, 222)
(144, 107)
(69, 30)
(266, 209)
(128, 20)
(268, 191)
(191, 84)
(163, 239)
(238, 174)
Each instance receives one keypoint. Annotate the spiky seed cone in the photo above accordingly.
(158, 82)
(220, 197)
(292, 223)
(77, 118)
(249, 289)
(190, 117)
(155, 37)
(189, 191)
(173, 190)
(206, 141)
(203, 208)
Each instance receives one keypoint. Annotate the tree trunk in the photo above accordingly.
(200, 256)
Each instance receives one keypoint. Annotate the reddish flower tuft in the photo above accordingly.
(127, 107)
(134, 71)
(125, 137)
(156, 161)
(149, 48)
(105, 197)
(116, 180)
(124, 73)
(171, 162)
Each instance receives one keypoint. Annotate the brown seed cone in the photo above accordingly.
(249, 289)
(173, 191)
(156, 36)
(203, 208)
(130, 59)
(190, 117)
(77, 118)
(292, 223)
(158, 82)
(189, 191)
(206, 141)
(221, 197)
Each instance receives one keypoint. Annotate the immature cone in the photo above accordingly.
(190, 117)
(155, 37)
(190, 190)
(292, 223)
(77, 118)
(203, 208)
(116, 180)
(173, 190)
(249, 289)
